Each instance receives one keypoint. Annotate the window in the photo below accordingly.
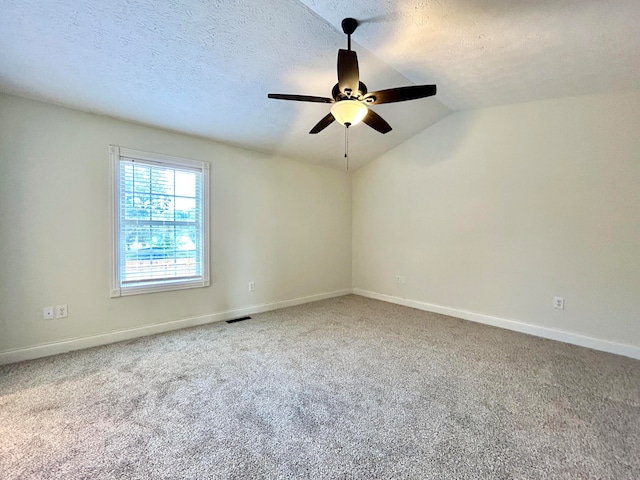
(160, 222)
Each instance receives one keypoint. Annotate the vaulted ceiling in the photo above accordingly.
(205, 67)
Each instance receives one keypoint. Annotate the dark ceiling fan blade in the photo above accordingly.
(376, 122)
(400, 94)
(300, 98)
(348, 73)
(324, 123)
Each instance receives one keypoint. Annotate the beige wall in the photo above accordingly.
(497, 210)
(285, 225)
(492, 211)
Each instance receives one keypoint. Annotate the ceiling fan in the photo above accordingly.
(350, 97)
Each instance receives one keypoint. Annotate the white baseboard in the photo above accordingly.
(538, 331)
(68, 345)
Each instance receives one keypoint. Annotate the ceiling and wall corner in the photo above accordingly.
(205, 68)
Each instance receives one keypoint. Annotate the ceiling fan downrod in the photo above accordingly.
(349, 26)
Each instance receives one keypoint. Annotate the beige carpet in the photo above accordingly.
(343, 388)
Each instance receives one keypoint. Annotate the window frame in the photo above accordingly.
(116, 154)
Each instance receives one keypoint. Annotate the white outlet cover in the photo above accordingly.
(558, 303)
(47, 313)
(62, 311)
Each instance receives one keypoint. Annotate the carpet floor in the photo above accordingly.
(346, 388)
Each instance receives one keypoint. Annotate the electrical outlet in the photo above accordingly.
(401, 279)
(47, 313)
(558, 303)
(62, 311)
(252, 286)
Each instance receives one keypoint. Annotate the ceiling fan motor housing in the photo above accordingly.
(359, 95)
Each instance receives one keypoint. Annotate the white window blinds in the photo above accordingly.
(161, 235)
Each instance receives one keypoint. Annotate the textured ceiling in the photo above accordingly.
(492, 52)
(205, 67)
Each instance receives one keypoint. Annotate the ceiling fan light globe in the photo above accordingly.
(349, 112)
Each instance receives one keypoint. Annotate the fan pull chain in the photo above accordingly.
(346, 145)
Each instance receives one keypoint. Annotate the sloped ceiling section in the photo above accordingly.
(205, 67)
(493, 52)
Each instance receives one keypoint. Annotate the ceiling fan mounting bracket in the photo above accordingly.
(349, 25)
